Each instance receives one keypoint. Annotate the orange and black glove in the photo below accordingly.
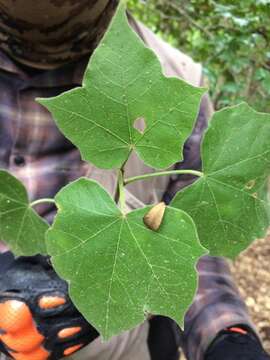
(37, 319)
(236, 343)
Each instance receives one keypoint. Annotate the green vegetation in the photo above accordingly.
(230, 38)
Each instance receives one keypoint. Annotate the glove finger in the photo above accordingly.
(52, 304)
(22, 340)
(70, 340)
(19, 333)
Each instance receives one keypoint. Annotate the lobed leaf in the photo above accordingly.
(124, 84)
(20, 226)
(228, 204)
(119, 271)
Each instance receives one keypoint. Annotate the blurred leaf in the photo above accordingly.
(21, 228)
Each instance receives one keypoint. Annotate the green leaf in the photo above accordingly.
(118, 270)
(20, 226)
(226, 204)
(123, 83)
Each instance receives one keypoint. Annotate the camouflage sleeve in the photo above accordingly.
(216, 306)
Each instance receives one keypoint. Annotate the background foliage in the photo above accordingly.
(230, 38)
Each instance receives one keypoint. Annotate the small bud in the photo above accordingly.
(154, 217)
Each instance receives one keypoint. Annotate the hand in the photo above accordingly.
(37, 319)
(231, 345)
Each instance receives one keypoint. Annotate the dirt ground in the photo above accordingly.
(252, 274)
(251, 271)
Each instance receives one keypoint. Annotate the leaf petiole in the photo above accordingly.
(122, 197)
(41, 201)
(163, 173)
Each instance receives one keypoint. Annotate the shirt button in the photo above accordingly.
(19, 160)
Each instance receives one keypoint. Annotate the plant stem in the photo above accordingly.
(42, 201)
(162, 173)
(121, 190)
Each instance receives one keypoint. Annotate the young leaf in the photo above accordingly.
(119, 270)
(226, 204)
(20, 226)
(123, 83)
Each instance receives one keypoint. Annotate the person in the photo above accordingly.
(44, 49)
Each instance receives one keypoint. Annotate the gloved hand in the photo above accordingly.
(234, 345)
(37, 319)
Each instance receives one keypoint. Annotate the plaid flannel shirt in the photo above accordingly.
(33, 150)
